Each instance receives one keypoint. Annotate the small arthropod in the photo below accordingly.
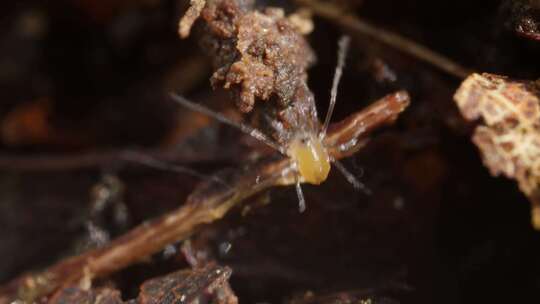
(302, 141)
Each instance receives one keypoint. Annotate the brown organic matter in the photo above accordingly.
(510, 139)
(208, 203)
(108, 186)
(260, 56)
(206, 284)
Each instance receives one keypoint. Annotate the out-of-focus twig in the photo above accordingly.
(99, 158)
(337, 15)
(208, 203)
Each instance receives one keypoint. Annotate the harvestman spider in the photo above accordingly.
(308, 154)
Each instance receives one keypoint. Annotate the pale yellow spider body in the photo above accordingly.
(311, 159)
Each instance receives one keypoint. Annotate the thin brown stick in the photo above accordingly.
(337, 15)
(75, 161)
(208, 203)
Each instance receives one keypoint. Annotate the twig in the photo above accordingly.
(208, 203)
(337, 15)
(97, 159)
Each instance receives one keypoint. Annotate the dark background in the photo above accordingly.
(87, 76)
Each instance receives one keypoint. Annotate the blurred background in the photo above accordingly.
(84, 83)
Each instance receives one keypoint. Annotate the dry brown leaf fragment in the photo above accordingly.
(189, 286)
(509, 140)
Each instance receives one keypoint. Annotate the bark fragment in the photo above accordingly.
(259, 55)
(189, 286)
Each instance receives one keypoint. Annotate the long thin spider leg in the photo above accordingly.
(350, 177)
(152, 162)
(343, 48)
(301, 199)
(221, 118)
